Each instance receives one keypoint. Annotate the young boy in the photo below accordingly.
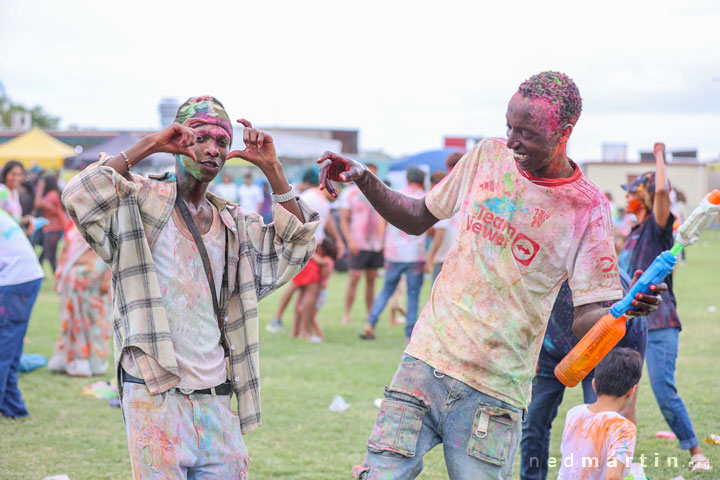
(598, 442)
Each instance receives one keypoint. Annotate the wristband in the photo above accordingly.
(127, 160)
(284, 197)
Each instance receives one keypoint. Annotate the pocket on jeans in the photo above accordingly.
(137, 397)
(398, 424)
(492, 434)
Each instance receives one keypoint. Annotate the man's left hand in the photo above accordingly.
(646, 303)
(259, 147)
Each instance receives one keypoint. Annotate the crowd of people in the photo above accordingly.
(509, 236)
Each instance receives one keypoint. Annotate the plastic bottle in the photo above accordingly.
(592, 348)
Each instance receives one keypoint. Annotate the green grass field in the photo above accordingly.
(301, 439)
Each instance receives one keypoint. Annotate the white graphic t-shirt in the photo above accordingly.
(520, 237)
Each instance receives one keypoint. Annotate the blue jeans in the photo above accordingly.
(423, 408)
(414, 275)
(16, 303)
(547, 395)
(437, 268)
(662, 351)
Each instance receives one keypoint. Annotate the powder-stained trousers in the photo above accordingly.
(176, 436)
(423, 408)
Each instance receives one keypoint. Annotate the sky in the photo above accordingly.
(405, 73)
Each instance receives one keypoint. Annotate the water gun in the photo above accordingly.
(607, 332)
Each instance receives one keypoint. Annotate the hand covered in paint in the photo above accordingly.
(337, 168)
(176, 138)
(259, 147)
(646, 303)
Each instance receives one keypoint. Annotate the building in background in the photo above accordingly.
(683, 168)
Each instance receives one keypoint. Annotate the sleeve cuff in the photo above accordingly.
(596, 297)
(123, 186)
(436, 213)
(290, 229)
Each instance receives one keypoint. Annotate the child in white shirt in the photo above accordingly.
(597, 442)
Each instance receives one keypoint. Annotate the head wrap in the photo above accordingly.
(207, 108)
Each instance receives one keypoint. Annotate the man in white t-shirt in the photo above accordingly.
(227, 189)
(20, 280)
(250, 195)
(404, 255)
(529, 219)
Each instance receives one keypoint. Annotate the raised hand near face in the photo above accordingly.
(177, 138)
(259, 147)
(336, 168)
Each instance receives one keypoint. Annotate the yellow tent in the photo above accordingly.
(36, 148)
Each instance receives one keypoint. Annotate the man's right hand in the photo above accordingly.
(176, 138)
(336, 168)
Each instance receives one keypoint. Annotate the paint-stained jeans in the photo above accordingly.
(423, 408)
(662, 352)
(393, 271)
(176, 436)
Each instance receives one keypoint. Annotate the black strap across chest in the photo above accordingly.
(219, 305)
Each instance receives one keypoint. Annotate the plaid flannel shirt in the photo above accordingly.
(121, 219)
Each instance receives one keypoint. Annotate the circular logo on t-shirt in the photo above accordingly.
(524, 249)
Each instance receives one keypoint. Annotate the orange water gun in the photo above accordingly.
(607, 332)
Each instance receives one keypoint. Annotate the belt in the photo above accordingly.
(222, 389)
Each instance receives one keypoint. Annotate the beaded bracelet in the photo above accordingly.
(127, 160)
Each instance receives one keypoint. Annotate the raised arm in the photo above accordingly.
(175, 139)
(406, 213)
(661, 204)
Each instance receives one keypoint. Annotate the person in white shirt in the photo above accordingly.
(251, 197)
(20, 280)
(404, 255)
(227, 189)
(361, 227)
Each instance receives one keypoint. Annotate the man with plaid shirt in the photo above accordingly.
(185, 341)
